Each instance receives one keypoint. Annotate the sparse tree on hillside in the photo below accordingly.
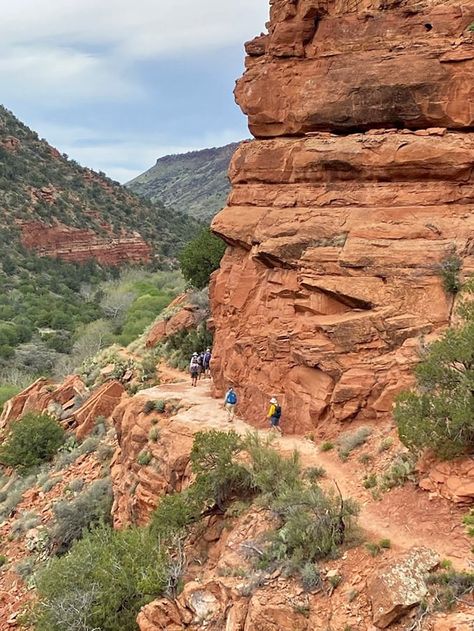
(200, 257)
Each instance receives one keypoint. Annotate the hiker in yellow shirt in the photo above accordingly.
(274, 415)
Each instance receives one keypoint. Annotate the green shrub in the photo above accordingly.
(86, 511)
(437, 415)
(449, 270)
(450, 586)
(310, 576)
(154, 434)
(326, 446)
(400, 471)
(144, 458)
(149, 406)
(34, 439)
(385, 544)
(470, 28)
(370, 481)
(386, 444)
(176, 512)
(3, 560)
(373, 549)
(313, 525)
(351, 440)
(269, 469)
(102, 583)
(200, 257)
(160, 406)
(219, 477)
(315, 473)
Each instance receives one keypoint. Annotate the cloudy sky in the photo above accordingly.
(118, 83)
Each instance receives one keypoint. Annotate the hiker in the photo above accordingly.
(207, 363)
(230, 402)
(194, 369)
(201, 364)
(274, 414)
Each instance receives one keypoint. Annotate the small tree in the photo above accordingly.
(439, 413)
(34, 439)
(200, 257)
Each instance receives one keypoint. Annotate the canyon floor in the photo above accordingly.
(405, 515)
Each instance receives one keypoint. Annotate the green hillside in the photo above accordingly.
(45, 303)
(81, 198)
(196, 183)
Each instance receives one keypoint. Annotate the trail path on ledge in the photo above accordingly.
(406, 515)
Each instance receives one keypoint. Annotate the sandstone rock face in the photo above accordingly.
(332, 281)
(80, 245)
(183, 316)
(400, 586)
(44, 396)
(414, 65)
(70, 402)
(453, 480)
(102, 402)
(138, 487)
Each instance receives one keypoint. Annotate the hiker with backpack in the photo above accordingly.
(201, 364)
(194, 369)
(274, 415)
(207, 363)
(230, 402)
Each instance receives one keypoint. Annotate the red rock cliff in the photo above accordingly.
(80, 245)
(332, 275)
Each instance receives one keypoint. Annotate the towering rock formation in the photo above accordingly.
(344, 212)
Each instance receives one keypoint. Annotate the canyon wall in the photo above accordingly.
(79, 245)
(344, 213)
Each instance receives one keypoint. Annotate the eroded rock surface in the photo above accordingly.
(80, 245)
(345, 65)
(401, 585)
(331, 282)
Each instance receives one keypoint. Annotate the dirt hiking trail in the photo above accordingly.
(406, 515)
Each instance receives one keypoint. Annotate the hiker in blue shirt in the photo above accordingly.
(230, 402)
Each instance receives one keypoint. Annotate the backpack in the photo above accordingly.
(232, 398)
(207, 358)
(277, 413)
(200, 360)
(194, 366)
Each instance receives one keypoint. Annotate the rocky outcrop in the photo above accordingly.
(70, 402)
(80, 245)
(400, 586)
(180, 316)
(139, 483)
(453, 480)
(332, 279)
(43, 395)
(101, 403)
(414, 61)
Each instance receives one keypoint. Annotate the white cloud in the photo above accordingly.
(138, 29)
(84, 50)
(62, 75)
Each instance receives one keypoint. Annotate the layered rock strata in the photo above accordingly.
(79, 245)
(333, 277)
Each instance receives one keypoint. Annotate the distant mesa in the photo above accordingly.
(195, 183)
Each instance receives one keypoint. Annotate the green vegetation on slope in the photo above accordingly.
(438, 414)
(149, 562)
(48, 306)
(194, 182)
(81, 198)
